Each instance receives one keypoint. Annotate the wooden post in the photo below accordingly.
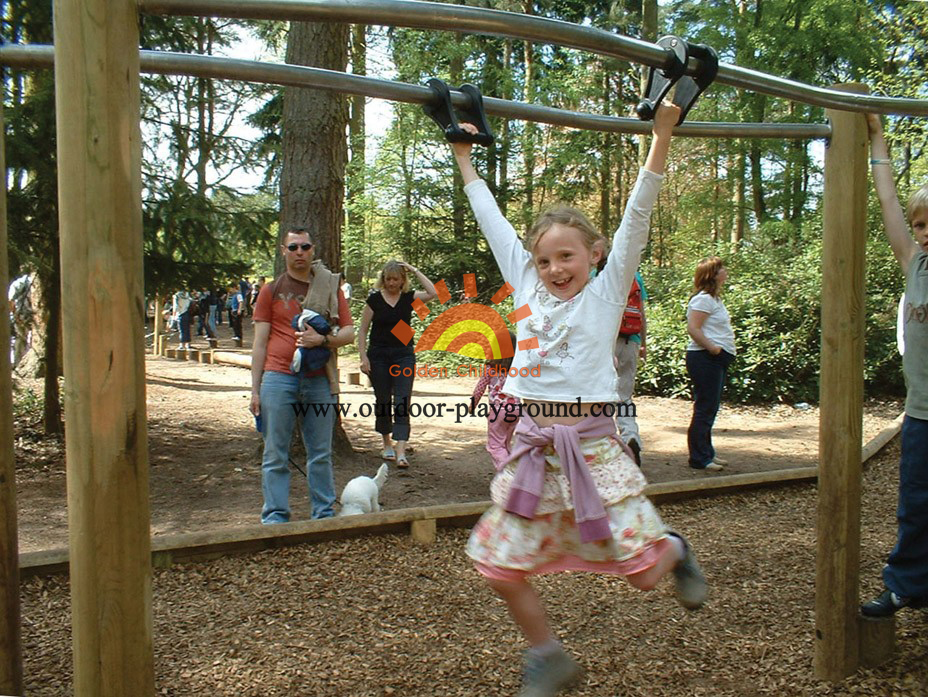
(841, 394)
(100, 221)
(423, 531)
(877, 640)
(157, 326)
(11, 660)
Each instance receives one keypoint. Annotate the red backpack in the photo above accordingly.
(631, 319)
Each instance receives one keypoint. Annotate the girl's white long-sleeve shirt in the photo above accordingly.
(575, 337)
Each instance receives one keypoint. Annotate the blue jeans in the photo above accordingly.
(183, 321)
(392, 392)
(906, 571)
(708, 375)
(283, 395)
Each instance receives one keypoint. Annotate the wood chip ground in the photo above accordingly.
(382, 616)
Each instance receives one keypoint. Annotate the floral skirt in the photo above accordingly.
(505, 546)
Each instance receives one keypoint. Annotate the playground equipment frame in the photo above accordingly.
(97, 64)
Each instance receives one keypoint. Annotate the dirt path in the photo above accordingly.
(205, 453)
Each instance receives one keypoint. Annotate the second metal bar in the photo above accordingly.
(291, 75)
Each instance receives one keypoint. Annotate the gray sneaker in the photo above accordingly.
(545, 676)
(691, 584)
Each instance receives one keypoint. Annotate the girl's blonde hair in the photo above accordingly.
(393, 268)
(563, 215)
(917, 202)
(706, 275)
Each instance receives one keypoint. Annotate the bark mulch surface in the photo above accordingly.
(382, 616)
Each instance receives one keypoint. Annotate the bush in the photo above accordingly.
(774, 298)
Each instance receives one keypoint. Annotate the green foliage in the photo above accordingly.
(774, 298)
(28, 406)
(199, 232)
(197, 241)
(885, 284)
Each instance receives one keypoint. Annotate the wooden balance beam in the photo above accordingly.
(421, 522)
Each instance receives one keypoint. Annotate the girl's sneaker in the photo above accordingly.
(691, 585)
(545, 676)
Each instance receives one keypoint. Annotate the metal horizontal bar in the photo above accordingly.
(165, 63)
(429, 15)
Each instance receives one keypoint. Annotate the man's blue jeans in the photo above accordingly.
(906, 571)
(285, 400)
(211, 318)
(708, 375)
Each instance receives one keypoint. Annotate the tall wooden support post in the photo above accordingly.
(99, 189)
(157, 324)
(841, 392)
(11, 664)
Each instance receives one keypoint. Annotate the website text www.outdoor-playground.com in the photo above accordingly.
(508, 412)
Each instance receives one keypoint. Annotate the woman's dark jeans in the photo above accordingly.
(707, 373)
(183, 321)
(392, 392)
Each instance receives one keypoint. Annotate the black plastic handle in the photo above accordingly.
(688, 88)
(444, 113)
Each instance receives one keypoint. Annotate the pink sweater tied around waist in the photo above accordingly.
(528, 482)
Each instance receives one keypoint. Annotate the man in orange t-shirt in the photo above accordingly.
(281, 398)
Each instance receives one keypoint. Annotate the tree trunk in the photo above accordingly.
(314, 153)
(648, 33)
(757, 185)
(51, 414)
(460, 210)
(354, 268)
(491, 77)
(503, 194)
(605, 163)
(528, 143)
(716, 190)
(737, 203)
(315, 150)
(758, 108)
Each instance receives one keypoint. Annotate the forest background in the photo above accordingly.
(225, 164)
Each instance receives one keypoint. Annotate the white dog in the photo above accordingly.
(362, 494)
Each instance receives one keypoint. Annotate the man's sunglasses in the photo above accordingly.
(305, 246)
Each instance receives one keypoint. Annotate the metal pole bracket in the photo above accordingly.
(443, 112)
(660, 80)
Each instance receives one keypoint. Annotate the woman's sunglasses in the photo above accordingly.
(305, 246)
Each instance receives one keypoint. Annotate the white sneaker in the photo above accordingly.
(714, 466)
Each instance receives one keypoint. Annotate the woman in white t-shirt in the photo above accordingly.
(708, 355)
